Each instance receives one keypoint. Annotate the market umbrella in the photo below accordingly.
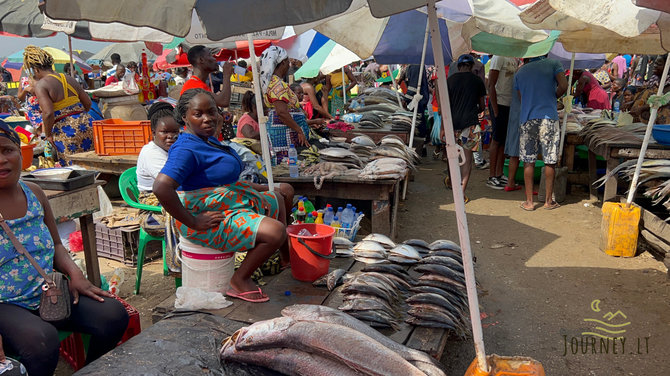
(302, 46)
(330, 57)
(128, 51)
(60, 58)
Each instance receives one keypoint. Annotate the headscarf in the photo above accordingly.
(270, 58)
(8, 132)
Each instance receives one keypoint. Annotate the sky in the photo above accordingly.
(9, 45)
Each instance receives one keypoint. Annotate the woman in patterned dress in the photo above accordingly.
(64, 105)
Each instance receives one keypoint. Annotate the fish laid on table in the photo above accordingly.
(362, 302)
(376, 318)
(419, 359)
(436, 316)
(344, 252)
(441, 270)
(381, 239)
(444, 244)
(437, 300)
(458, 299)
(330, 280)
(391, 269)
(364, 140)
(442, 260)
(404, 254)
(341, 242)
(442, 279)
(338, 343)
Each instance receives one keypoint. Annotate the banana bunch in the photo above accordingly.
(310, 155)
(45, 162)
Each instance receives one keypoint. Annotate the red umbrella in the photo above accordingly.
(228, 51)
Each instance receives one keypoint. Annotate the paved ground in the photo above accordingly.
(542, 277)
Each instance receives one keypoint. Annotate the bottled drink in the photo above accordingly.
(335, 223)
(293, 162)
(310, 218)
(304, 232)
(319, 217)
(347, 216)
(337, 114)
(338, 213)
(328, 216)
(301, 215)
(617, 106)
(309, 207)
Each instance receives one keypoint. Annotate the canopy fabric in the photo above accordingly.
(128, 51)
(600, 25)
(227, 51)
(59, 56)
(662, 5)
(174, 16)
(304, 45)
(582, 60)
(330, 57)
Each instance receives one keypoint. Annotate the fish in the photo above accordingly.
(425, 313)
(385, 269)
(368, 289)
(445, 286)
(444, 244)
(442, 260)
(364, 253)
(448, 253)
(330, 315)
(333, 279)
(341, 242)
(369, 245)
(359, 302)
(343, 344)
(286, 361)
(441, 270)
(363, 140)
(367, 260)
(405, 251)
(442, 278)
(437, 300)
(417, 243)
(344, 252)
(457, 299)
(396, 281)
(429, 323)
(381, 239)
(376, 318)
(376, 279)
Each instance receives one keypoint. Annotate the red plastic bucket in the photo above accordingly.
(310, 255)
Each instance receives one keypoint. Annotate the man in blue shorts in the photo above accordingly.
(539, 82)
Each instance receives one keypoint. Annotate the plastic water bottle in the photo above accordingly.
(616, 109)
(304, 232)
(335, 223)
(328, 216)
(347, 216)
(293, 162)
(338, 214)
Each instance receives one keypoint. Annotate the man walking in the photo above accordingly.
(539, 82)
(501, 89)
(466, 95)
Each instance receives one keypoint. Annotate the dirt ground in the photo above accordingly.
(543, 280)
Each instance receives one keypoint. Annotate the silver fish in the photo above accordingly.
(367, 305)
(377, 319)
(367, 260)
(435, 299)
(405, 251)
(334, 278)
(429, 324)
(344, 252)
(441, 278)
(442, 260)
(458, 299)
(381, 239)
(417, 243)
(341, 242)
(444, 244)
(369, 245)
(441, 270)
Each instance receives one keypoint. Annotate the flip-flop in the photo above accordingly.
(466, 199)
(552, 206)
(242, 295)
(526, 208)
(447, 182)
(510, 189)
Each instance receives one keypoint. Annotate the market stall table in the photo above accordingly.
(109, 164)
(383, 195)
(80, 203)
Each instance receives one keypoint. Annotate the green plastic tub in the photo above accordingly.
(519, 172)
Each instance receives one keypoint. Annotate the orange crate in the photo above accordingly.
(118, 137)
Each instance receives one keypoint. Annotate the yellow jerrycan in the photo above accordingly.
(507, 366)
(619, 229)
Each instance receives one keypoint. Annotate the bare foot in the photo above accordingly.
(527, 206)
(244, 285)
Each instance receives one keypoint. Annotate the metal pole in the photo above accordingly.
(647, 135)
(344, 89)
(418, 85)
(395, 86)
(69, 42)
(565, 113)
(261, 115)
(455, 172)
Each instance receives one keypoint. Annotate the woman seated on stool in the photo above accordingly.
(151, 160)
(199, 187)
(25, 208)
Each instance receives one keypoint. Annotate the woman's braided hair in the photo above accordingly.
(183, 103)
(35, 57)
(158, 111)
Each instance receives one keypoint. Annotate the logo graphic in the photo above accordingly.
(610, 329)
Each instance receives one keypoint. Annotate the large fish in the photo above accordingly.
(441, 270)
(435, 299)
(367, 304)
(330, 280)
(326, 314)
(381, 239)
(458, 299)
(376, 318)
(337, 342)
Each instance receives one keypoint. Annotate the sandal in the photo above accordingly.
(526, 208)
(553, 205)
(242, 295)
(510, 189)
(466, 199)
(447, 182)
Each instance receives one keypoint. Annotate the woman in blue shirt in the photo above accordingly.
(199, 187)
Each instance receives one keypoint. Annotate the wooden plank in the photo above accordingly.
(68, 205)
(90, 251)
(283, 291)
(381, 217)
(655, 242)
(428, 340)
(656, 225)
(111, 164)
(634, 152)
(593, 176)
(611, 184)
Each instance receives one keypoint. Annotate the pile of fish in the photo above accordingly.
(598, 132)
(440, 298)
(362, 146)
(340, 155)
(317, 340)
(380, 110)
(325, 170)
(654, 175)
(371, 120)
(384, 168)
(401, 121)
(343, 247)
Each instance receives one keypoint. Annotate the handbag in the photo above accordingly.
(55, 298)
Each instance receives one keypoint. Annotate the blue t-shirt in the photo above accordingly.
(196, 164)
(536, 81)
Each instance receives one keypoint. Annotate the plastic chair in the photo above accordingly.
(130, 194)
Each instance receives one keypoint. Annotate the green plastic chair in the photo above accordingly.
(130, 194)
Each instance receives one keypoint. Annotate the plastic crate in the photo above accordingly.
(73, 351)
(134, 328)
(349, 233)
(121, 243)
(118, 137)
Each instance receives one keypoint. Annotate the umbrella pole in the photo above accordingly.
(565, 113)
(395, 86)
(261, 115)
(647, 134)
(418, 85)
(344, 89)
(455, 172)
(69, 43)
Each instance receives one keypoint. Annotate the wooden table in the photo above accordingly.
(109, 164)
(284, 291)
(80, 203)
(614, 154)
(383, 195)
(375, 134)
